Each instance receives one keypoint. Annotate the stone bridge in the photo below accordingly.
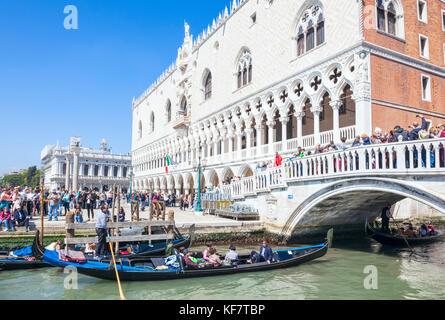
(342, 189)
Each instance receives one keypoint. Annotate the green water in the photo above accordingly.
(338, 275)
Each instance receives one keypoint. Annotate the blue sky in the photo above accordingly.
(56, 83)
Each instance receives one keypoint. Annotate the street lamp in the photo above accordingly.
(200, 169)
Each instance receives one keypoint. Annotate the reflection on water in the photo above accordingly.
(338, 275)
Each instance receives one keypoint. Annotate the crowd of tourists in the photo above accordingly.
(398, 134)
(184, 202)
(19, 205)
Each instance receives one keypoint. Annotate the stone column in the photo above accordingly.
(284, 121)
(76, 170)
(300, 116)
(335, 108)
(231, 143)
(239, 142)
(316, 111)
(259, 137)
(68, 172)
(362, 95)
(249, 142)
(271, 125)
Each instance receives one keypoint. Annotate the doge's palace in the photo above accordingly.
(269, 76)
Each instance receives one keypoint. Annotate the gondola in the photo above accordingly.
(35, 259)
(144, 269)
(399, 240)
(9, 261)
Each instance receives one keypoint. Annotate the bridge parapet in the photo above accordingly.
(421, 157)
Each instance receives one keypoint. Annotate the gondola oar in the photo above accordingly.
(403, 236)
(121, 292)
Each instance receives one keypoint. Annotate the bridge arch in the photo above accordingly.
(354, 200)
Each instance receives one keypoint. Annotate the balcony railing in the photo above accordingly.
(425, 156)
(181, 120)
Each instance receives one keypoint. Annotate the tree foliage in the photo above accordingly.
(30, 178)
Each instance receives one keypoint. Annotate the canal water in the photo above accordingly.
(338, 275)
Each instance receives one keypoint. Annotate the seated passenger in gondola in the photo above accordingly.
(231, 256)
(423, 231)
(188, 261)
(431, 229)
(265, 254)
(206, 252)
(410, 232)
(214, 259)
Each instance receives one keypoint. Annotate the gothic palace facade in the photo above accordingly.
(268, 76)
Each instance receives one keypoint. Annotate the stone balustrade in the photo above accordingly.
(405, 158)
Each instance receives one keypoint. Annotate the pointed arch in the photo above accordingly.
(243, 67)
(168, 111)
(207, 84)
(309, 27)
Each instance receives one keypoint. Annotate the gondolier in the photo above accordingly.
(102, 218)
(386, 216)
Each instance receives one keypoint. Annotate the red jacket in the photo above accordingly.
(278, 161)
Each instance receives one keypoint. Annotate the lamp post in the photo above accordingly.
(200, 169)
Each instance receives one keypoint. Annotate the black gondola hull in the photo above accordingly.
(8, 265)
(398, 241)
(217, 271)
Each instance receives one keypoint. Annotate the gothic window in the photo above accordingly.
(106, 171)
(310, 37)
(300, 44)
(115, 171)
(320, 33)
(184, 106)
(152, 122)
(311, 30)
(140, 130)
(208, 87)
(244, 71)
(169, 111)
(390, 17)
(347, 108)
(96, 171)
(85, 170)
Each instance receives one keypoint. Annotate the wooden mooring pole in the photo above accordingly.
(41, 211)
(70, 233)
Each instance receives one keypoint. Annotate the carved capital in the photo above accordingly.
(335, 105)
(300, 115)
(316, 110)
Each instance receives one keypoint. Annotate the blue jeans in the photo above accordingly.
(78, 218)
(52, 210)
(7, 224)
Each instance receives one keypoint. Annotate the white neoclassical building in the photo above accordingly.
(75, 167)
(266, 76)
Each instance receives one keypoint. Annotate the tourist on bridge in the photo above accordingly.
(400, 134)
(102, 218)
(264, 255)
(386, 216)
(416, 128)
(278, 160)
